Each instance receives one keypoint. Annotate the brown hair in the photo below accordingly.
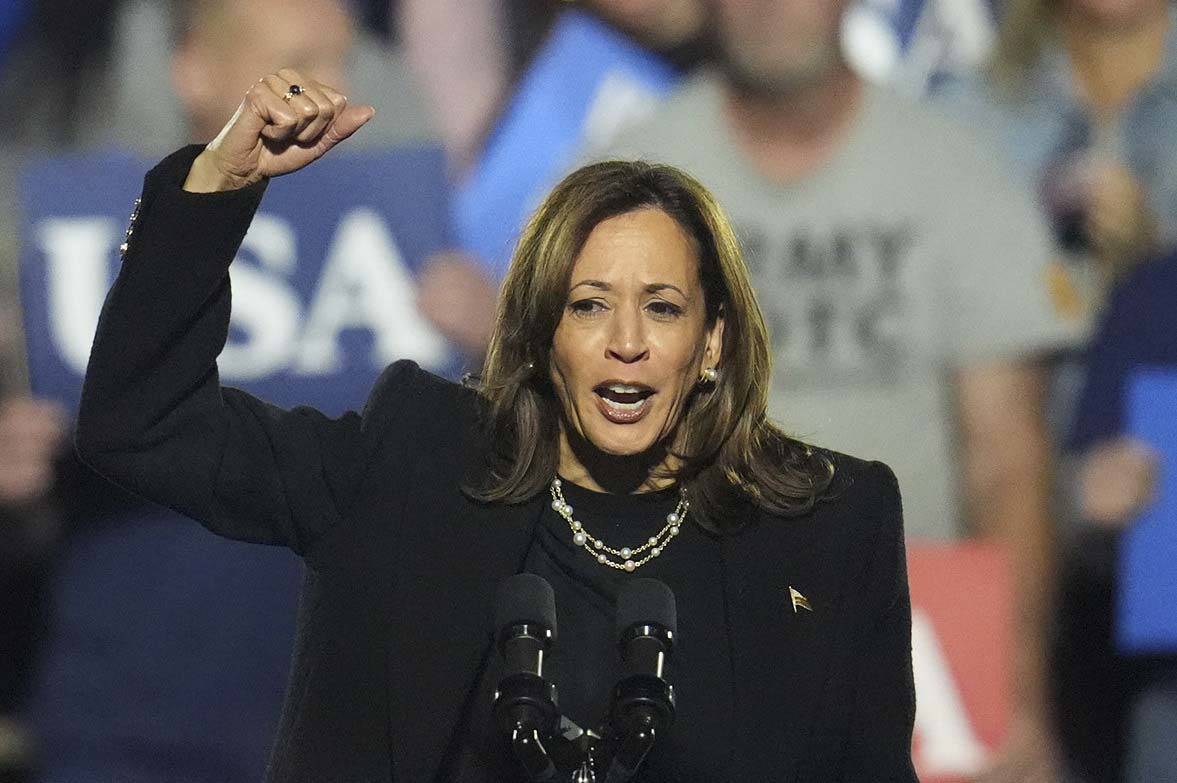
(731, 453)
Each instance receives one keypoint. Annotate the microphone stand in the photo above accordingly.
(523, 708)
(642, 703)
(643, 707)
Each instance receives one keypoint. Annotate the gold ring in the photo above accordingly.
(294, 90)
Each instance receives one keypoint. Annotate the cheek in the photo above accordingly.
(683, 353)
(559, 379)
(683, 367)
(563, 375)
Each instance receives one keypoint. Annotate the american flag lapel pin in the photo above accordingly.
(799, 601)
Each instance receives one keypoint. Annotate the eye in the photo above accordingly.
(664, 309)
(586, 307)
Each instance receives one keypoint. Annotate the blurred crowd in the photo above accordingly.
(960, 217)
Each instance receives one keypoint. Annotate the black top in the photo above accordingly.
(586, 662)
(401, 566)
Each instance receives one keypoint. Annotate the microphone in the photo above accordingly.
(525, 703)
(643, 701)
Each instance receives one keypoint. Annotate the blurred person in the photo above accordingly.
(1116, 478)
(172, 66)
(222, 44)
(1081, 95)
(902, 274)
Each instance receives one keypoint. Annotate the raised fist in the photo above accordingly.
(286, 121)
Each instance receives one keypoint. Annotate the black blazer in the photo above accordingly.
(401, 567)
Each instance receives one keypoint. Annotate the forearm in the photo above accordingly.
(166, 318)
(1024, 525)
(1007, 477)
(152, 416)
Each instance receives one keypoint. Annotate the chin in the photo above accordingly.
(622, 444)
(614, 448)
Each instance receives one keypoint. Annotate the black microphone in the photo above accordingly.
(525, 703)
(643, 701)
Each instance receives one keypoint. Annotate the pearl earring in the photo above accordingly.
(710, 375)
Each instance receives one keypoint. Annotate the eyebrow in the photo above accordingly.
(652, 288)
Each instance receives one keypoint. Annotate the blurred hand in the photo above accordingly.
(1027, 756)
(32, 432)
(458, 297)
(1117, 479)
(1120, 224)
(271, 134)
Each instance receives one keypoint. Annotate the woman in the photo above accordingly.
(1081, 93)
(1083, 96)
(629, 359)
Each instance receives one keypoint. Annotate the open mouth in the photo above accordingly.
(623, 403)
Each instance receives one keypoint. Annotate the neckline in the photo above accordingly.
(609, 503)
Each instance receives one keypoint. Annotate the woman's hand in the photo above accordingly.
(1121, 225)
(275, 131)
(1117, 479)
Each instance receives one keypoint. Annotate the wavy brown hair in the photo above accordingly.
(731, 454)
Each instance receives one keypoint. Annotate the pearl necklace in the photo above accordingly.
(653, 547)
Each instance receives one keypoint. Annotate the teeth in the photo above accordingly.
(625, 406)
(619, 388)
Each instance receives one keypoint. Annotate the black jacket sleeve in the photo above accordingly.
(883, 712)
(154, 417)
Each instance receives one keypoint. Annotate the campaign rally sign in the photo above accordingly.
(961, 650)
(1146, 621)
(584, 83)
(323, 285)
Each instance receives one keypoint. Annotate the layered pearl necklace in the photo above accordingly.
(623, 559)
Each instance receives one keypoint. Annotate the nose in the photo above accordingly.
(627, 336)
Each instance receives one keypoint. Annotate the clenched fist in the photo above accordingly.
(286, 121)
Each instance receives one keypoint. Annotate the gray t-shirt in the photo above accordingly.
(906, 256)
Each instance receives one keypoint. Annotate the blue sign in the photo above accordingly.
(585, 82)
(324, 295)
(1147, 621)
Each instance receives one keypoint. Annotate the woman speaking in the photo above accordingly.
(617, 431)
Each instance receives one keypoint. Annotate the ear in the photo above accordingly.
(713, 347)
